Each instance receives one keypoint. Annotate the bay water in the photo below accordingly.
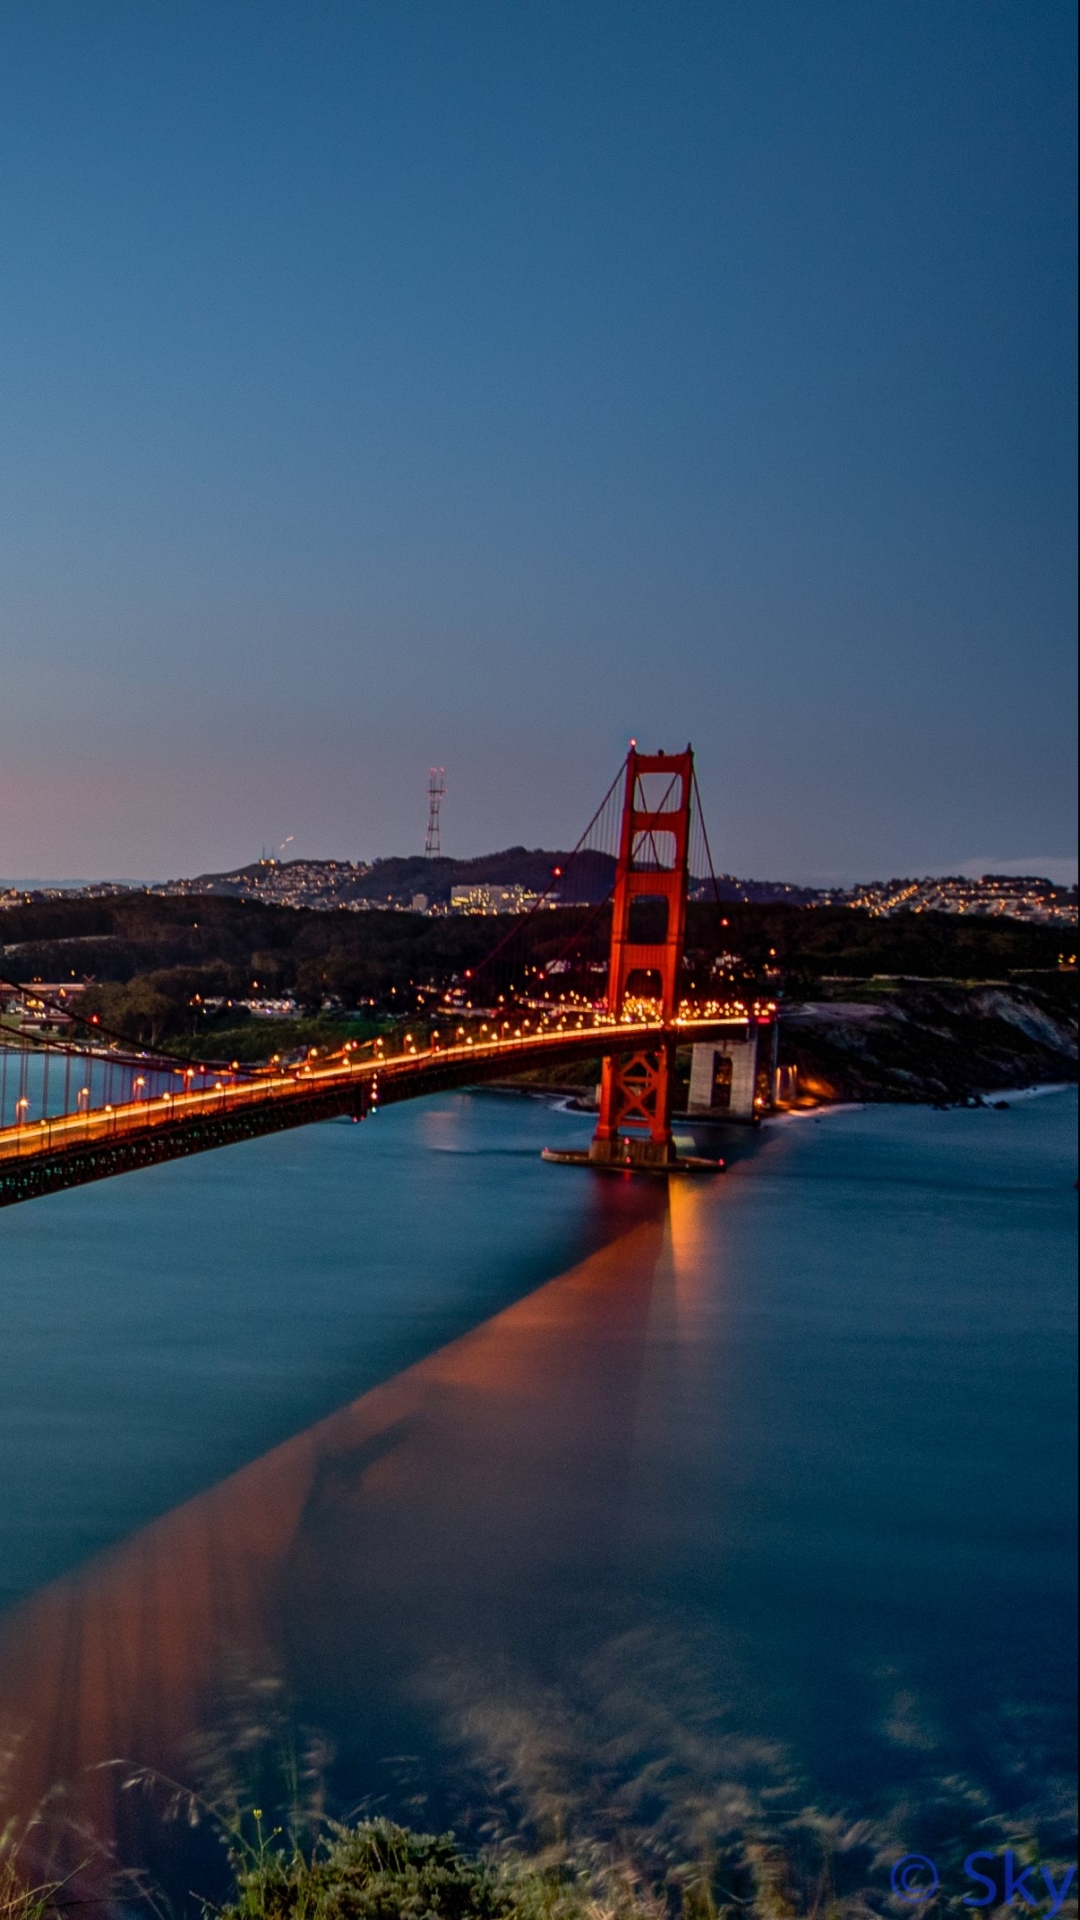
(511, 1496)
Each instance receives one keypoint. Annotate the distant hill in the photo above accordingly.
(395, 881)
(566, 880)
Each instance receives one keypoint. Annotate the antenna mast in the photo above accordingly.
(436, 789)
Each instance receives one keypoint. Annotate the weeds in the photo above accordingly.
(18, 1901)
(379, 1871)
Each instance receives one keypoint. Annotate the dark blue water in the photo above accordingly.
(552, 1499)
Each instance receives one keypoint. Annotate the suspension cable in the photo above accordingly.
(520, 926)
(705, 837)
(93, 1025)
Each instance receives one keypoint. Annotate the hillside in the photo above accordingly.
(937, 1041)
(967, 1004)
(232, 941)
(572, 879)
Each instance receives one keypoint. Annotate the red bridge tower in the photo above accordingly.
(647, 930)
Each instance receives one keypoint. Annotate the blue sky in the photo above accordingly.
(477, 383)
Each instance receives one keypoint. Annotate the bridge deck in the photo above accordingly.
(45, 1156)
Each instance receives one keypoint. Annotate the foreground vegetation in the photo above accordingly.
(380, 1871)
(18, 1902)
(377, 1870)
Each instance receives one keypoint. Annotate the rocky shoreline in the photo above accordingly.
(931, 1041)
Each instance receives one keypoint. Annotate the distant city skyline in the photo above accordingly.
(401, 385)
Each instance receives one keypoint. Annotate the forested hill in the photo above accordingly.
(229, 942)
(174, 971)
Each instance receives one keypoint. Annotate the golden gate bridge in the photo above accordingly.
(135, 1109)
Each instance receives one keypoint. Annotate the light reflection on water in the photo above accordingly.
(737, 1525)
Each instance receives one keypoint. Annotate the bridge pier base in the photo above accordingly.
(723, 1078)
(734, 1078)
(626, 1150)
(631, 1156)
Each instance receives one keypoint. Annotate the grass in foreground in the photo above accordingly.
(379, 1871)
(17, 1901)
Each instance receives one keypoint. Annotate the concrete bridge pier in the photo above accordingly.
(733, 1079)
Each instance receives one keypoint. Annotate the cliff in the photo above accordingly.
(931, 1040)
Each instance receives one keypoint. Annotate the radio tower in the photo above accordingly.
(436, 788)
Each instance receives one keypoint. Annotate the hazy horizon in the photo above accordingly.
(1062, 873)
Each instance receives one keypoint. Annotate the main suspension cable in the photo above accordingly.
(520, 925)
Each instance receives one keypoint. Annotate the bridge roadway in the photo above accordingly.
(45, 1156)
